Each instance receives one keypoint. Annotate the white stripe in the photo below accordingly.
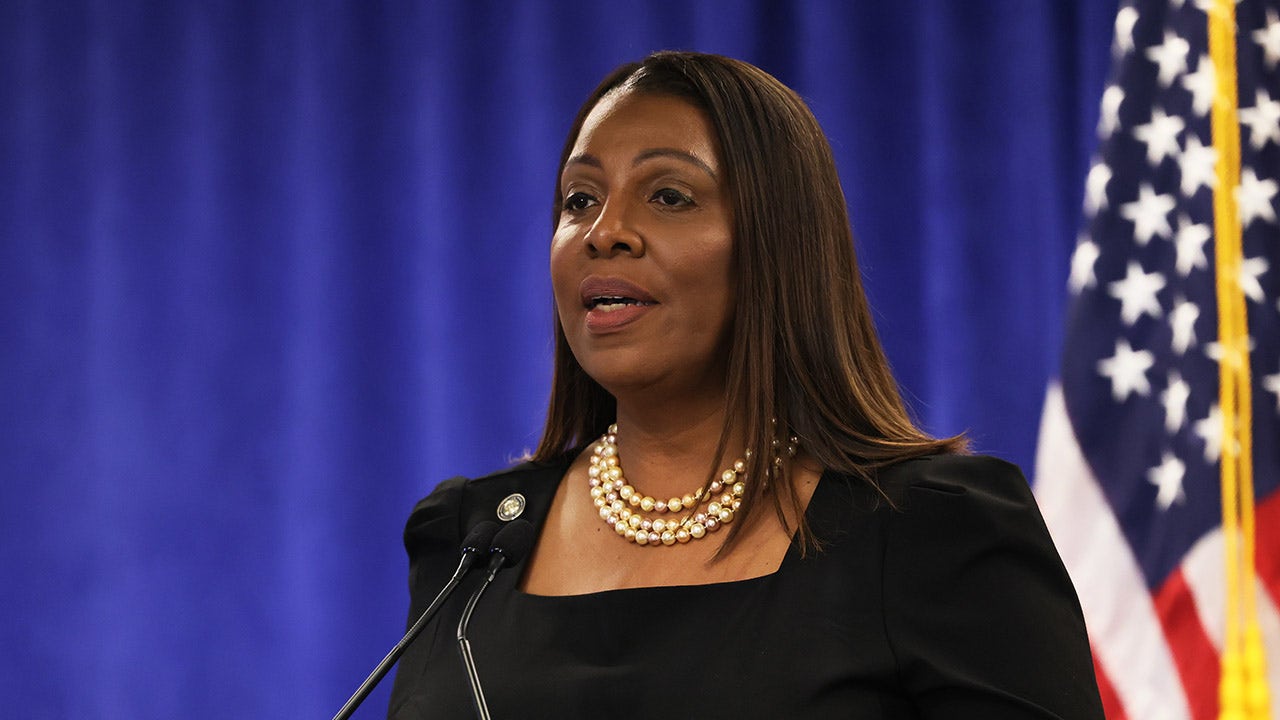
(1203, 570)
(1118, 609)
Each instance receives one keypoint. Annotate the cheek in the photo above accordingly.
(562, 271)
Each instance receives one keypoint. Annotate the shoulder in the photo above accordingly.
(457, 504)
(950, 474)
(920, 488)
(981, 614)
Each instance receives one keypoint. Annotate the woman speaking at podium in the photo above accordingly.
(735, 516)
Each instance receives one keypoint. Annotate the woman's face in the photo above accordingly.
(642, 260)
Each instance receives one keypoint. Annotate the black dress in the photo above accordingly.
(952, 604)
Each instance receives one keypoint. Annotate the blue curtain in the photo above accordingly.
(271, 270)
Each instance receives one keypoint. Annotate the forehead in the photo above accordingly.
(628, 119)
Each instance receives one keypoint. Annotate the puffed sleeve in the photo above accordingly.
(981, 616)
(431, 537)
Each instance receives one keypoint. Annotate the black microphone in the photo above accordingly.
(475, 546)
(510, 546)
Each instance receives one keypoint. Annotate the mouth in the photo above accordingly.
(612, 294)
(611, 303)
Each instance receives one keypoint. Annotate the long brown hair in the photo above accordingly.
(805, 359)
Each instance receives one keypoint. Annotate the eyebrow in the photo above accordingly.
(593, 161)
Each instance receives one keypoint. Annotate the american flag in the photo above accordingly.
(1131, 442)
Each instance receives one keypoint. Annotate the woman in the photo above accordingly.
(736, 516)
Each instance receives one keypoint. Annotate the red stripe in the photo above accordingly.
(1112, 709)
(1193, 652)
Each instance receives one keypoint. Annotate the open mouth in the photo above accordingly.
(609, 303)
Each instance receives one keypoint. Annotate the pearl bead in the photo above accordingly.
(726, 515)
(712, 523)
(713, 509)
(642, 538)
(654, 538)
(599, 502)
(616, 506)
(697, 530)
(604, 513)
(739, 489)
(682, 535)
(634, 500)
(739, 466)
(608, 451)
(668, 538)
(728, 476)
(646, 504)
(629, 534)
(715, 486)
(621, 528)
(635, 521)
(688, 500)
(596, 492)
(613, 474)
(660, 505)
(659, 525)
(646, 524)
(593, 472)
(675, 505)
(626, 492)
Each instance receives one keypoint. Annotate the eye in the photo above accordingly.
(579, 201)
(668, 197)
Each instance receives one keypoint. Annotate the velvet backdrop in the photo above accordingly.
(270, 270)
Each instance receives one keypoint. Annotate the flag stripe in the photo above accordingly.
(1119, 610)
(1111, 707)
(1194, 651)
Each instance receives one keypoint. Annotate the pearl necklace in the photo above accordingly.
(614, 497)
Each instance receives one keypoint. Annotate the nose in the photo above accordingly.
(614, 231)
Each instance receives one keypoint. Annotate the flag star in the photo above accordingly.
(1167, 477)
(1263, 120)
(1082, 263)
(1202, 84)
(1182, 320)
(1254, 198)
(1095, 188)
(1109, 118)
(1126, 19)
(1160, 135)
(1127, 370)
(1198, 165)
(1268, 38)
(1174, 398)
(1171, 56)
(1137, 293)
(1210, 431)
(1210, 7)
(1233, 354)
(1150, 214)
(1250, 270)
(1189, 243)
(1271, 383)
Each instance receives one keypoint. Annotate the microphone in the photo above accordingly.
(510, 546)
(474, 547)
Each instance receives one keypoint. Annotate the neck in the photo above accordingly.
(669, 451)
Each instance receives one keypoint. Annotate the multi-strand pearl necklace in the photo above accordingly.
(618, 502)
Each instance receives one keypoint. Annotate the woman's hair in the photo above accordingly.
(804, 359)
